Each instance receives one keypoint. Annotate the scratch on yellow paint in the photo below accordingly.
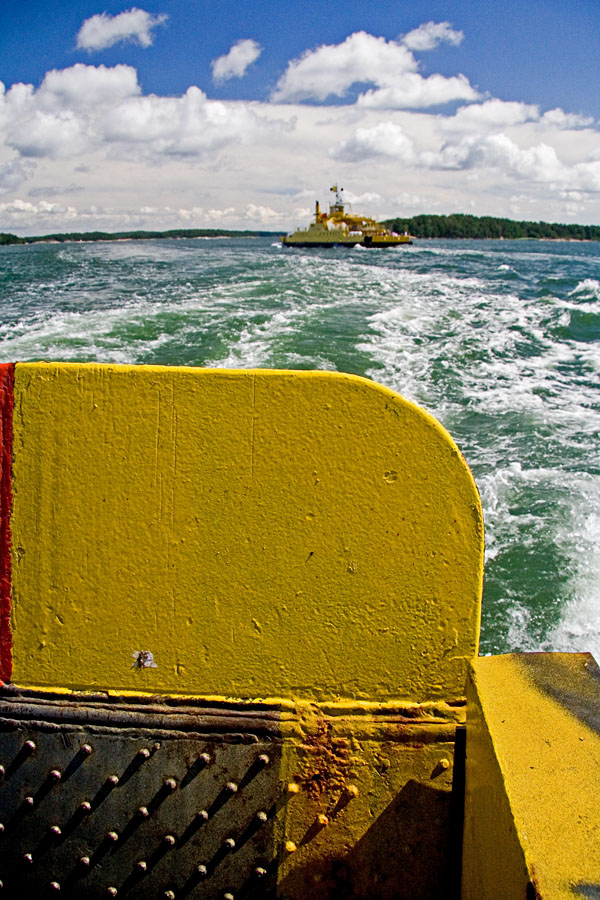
(168, 509)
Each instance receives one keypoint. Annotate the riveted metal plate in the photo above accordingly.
(107, 812)
(147, 798)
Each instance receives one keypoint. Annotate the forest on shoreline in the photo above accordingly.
(461, 225)
(457, 226)
(131, 235)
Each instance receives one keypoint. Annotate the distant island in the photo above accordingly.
(460, 225)
(456, 226)
(132, 235)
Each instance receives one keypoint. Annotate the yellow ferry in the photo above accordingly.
(338, 228)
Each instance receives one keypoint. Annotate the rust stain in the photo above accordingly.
(325, 764)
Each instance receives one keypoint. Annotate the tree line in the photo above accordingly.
(461, 225)
(131, 235)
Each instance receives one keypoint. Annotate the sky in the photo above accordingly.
(204, 113)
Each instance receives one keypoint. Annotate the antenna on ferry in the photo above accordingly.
(339, 200)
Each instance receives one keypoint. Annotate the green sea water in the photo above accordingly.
(500, 340)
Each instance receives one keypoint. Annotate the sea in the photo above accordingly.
(500, 340)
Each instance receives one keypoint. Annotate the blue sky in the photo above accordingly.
(196, 112)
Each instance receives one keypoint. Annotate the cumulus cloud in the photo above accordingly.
(103, 30)
(13, 173)
(490, 115)
(16, 211)
(536, 164)
(416, 92)
(363, 58)
(185, 126)
(82, 85)
(560, 119)
(84, 108)
(235, 63)
(384, 140)
(429, 35)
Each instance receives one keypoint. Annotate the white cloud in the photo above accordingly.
(561, 119)
(133, 25)
(363, 58)
(14, 173)
(491, 114)
(430, 34)
(538, 164)
(190, 125)
(82, 85)
(263, 215)
(85, 108)
(384, 140)
(17, 211)
(333, 69)
(416, 92)
(235, 63)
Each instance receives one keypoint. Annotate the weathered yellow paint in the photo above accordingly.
(262, 534)
(532, 828)
(368, 812)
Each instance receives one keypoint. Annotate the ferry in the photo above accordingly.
(339, 228)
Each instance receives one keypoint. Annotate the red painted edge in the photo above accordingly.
(7, 380)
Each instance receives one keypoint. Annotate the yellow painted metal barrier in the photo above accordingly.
(268, 584)
(249, 530)
(237, 613)
(532, 820)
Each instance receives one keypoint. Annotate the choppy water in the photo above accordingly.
(499, 340)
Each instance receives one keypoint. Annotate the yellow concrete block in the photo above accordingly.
(532, 816)
(249, 533)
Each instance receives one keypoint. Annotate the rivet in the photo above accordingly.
(86, 749)
(29, 746)
(231, 786)
(55, 829)
(352, 789)
(156, 746)
(322, 819)
(169, 895)
(112, 836)
(28, 858)
(202, 871)
(260, 872)
(29, 801)
(171, 784)
(143, 812)
(264, 759)
(293, 788)
(85, 806)
(112, 891)
(229, 843)
(228, 896)
(169, 839)
(113, 779)
(445, 763)
(54, 886)
(55, 775)
(205, 758)
(262, 816)
(1, 885)
(2, 771)
(290, 846)
(203, 815)
(142, 865)
(84, 861)
(144, 753)
(1, 827)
